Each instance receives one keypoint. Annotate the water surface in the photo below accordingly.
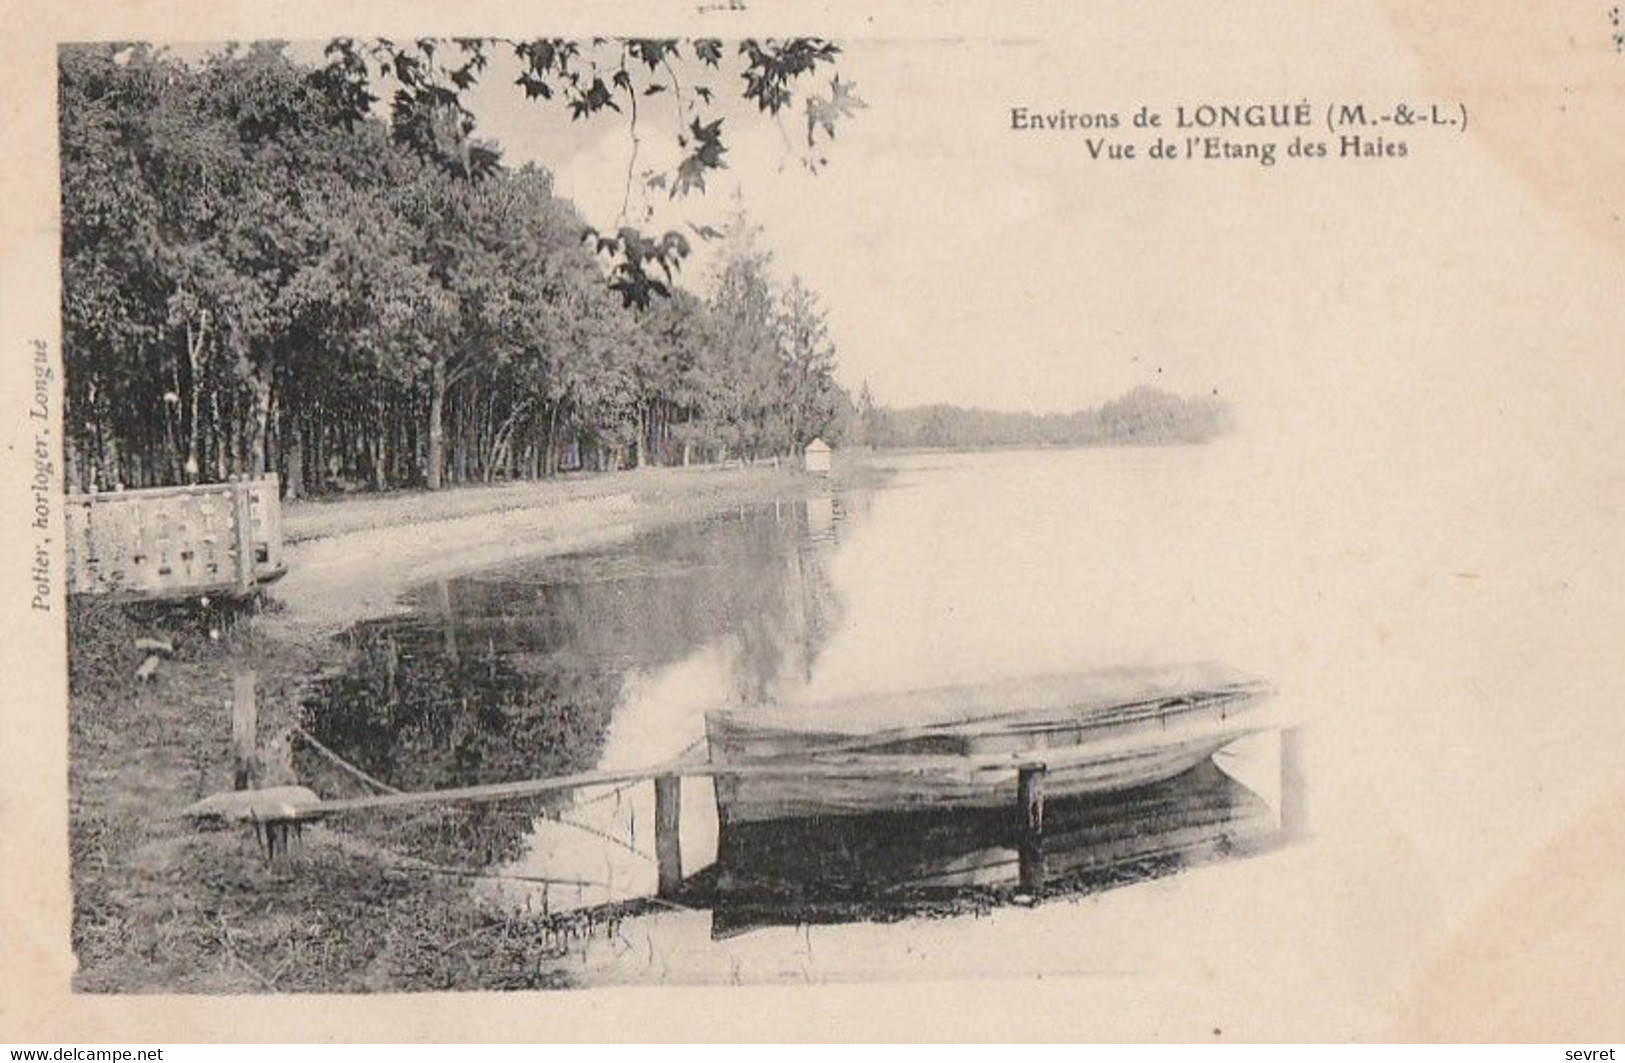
(962, 568)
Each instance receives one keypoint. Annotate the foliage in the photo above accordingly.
(590, 79)
(261, 276)
(1145, 415)
(101, 641)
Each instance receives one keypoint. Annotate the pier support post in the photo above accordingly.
(1294, 797)
(276, 837)
(281, 838)
(244, 728)
(448, 618)
(668, 840)
(1030, 827)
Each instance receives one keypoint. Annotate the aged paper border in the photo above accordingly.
(1532, 963)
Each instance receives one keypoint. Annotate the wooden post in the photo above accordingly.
(1030, 827)
(1294, 795)
(240, 510)
(281, 838)
(448, 617)
(668, 841)
(244, 728)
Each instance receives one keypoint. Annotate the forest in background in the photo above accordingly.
(1144, 416)
(258, 276)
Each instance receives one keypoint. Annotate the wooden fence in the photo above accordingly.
(175, 542)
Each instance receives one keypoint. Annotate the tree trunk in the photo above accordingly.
(459, 443)
(437, 438)
(294, 459)
(380, 457)
(550, 460)
(194, 430)
(71, 465)
(318, 448)
(271, 435)
(217, 436)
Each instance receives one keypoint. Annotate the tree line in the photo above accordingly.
(1144, 416)
(261, 275)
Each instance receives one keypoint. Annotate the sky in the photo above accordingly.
(1423, 353)
(957, 263)
(962, 261)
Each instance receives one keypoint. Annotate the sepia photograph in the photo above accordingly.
(1121, 503)
(528, 543)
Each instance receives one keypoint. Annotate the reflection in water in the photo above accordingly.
(610, 659)
(601, 659)
(845, 868)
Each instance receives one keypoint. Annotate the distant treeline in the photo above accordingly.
(1146, 415)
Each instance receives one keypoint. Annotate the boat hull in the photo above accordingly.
(962, 748)
(867, 785)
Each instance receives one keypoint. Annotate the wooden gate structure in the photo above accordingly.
(176, 542)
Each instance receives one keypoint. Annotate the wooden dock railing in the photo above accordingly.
(175, 542)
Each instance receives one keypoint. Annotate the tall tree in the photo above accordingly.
(259, 277)
(743, 377)
(809, 397)
(616, 76)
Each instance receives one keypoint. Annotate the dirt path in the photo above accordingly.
(352, 560)
(321, 518)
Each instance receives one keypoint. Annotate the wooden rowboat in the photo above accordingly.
(960, 747)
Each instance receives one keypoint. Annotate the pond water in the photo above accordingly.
(960, 568)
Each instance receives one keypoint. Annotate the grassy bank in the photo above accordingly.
(162, 906)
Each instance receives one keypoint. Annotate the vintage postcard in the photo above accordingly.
(723, 520)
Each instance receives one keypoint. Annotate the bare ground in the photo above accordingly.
(350, 560)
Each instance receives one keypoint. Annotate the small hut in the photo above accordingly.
(816, 458)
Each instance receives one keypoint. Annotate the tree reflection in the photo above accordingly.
(518, 674)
